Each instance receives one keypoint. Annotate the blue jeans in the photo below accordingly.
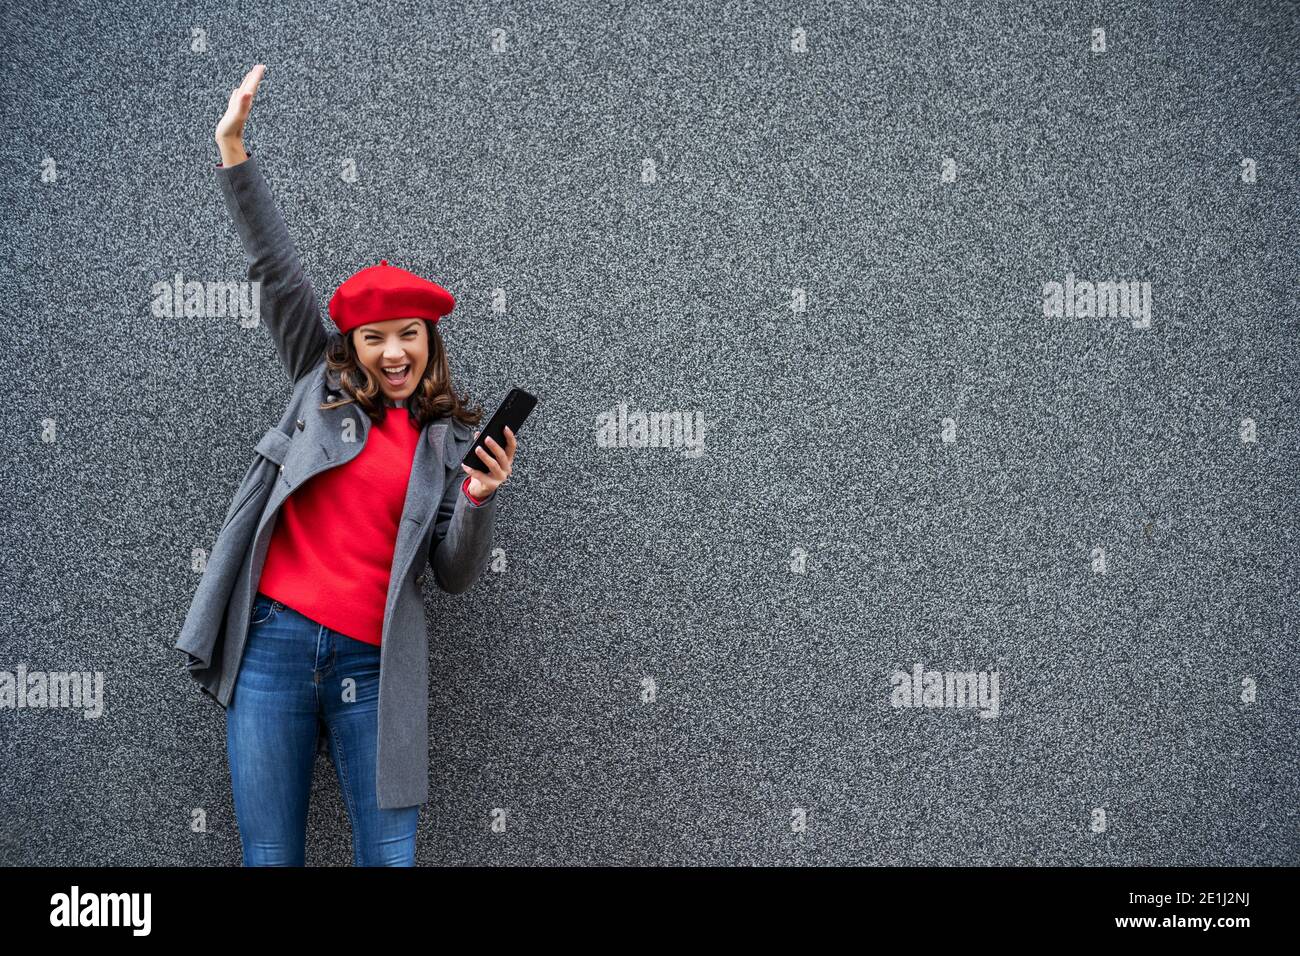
(297, 679)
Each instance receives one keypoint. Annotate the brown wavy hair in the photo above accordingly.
(433, 398)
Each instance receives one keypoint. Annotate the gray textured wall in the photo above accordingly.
(906, 461)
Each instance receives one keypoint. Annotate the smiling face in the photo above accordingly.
(387, 345)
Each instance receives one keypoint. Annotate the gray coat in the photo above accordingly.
(440, 525)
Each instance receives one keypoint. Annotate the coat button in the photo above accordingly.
(301, 424)
(282, 469)
(419, 579)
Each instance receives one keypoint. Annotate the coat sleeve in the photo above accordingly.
(462, 537)
(288, 305)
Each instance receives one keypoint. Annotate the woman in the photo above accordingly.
(329, 549)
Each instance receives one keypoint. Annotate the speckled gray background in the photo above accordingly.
(521, 171)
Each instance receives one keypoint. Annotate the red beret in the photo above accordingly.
(382, 292)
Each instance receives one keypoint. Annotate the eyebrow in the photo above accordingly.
(414, 324)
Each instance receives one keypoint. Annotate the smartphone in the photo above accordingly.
(511, 413)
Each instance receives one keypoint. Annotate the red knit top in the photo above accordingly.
(331, 553)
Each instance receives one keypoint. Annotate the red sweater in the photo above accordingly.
(331, 553)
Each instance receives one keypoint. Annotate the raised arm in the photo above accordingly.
(288, 305)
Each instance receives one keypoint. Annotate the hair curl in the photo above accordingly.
(433, 398)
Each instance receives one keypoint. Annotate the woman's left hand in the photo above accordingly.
(496, 467)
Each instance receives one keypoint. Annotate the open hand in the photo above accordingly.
(496, 467)
(230, 127)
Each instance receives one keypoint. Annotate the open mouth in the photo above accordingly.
(397, 374)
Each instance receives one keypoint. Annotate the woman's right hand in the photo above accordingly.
(230, 128)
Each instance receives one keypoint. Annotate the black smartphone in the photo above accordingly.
(511, 413)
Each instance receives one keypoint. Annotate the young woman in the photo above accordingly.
(317, 568)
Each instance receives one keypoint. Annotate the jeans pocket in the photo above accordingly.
(264, 608)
